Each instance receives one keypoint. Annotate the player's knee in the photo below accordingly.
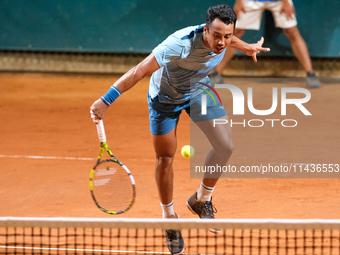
(225, 148)
(229, 147)
(164, 161)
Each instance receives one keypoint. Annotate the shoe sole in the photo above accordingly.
(313, 85)
(215, 231)
(177, 252)
(180, 252)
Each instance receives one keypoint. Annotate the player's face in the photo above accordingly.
(219, 35)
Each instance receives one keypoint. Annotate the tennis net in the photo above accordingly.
(146, 236)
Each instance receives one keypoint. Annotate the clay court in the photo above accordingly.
(48, 116)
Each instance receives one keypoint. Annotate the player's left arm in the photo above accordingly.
(251, 49)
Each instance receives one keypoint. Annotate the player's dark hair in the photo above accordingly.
(222, 12)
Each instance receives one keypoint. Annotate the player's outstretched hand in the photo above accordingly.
(257, 48)
(98, 110)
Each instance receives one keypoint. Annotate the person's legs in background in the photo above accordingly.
(301, 53)
(251, 19)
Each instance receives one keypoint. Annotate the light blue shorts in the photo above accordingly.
(164, 117)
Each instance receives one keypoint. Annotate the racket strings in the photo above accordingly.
(112, 187)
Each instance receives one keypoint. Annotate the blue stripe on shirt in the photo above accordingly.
(192, 34)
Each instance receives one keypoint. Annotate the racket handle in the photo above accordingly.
(101, 131)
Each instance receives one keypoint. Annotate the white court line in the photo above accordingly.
(89, 250)
(63, 158)
(45, 157)
(83, 250)
(132, 159)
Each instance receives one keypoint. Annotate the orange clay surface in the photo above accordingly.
(46, 115)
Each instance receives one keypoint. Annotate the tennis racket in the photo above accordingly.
(111, 184)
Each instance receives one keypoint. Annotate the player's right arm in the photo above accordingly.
(170, 48)
(124, 83)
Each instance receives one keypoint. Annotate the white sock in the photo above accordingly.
(204, 193)
(168, 210)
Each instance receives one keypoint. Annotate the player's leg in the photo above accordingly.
(163, 122)
(299, 46)
(163, 132)
(165, 148)
(220, 137)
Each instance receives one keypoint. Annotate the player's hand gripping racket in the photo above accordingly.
(111, 183)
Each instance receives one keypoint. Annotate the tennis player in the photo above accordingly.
(185, 56)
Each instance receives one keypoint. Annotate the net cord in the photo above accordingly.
(158, 223)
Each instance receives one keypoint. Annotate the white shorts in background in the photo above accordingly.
(251, 19)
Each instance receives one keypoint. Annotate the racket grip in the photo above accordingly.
(101, 131)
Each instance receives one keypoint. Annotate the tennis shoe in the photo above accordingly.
(205, 210)
(174, 240)
(312, 81)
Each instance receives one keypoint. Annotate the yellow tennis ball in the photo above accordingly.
(187, 151)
